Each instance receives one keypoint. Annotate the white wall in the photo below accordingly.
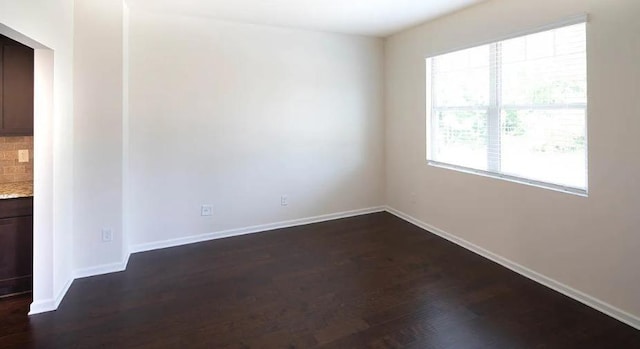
(48, 26)
(590, 244)
(78, 165)
(236, 115)
(98, 150)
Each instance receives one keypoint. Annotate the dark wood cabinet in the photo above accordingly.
(16, 246)
(16, 88)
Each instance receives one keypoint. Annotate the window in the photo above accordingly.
(514, 109)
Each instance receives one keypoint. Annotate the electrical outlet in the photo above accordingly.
(107, 235)
(284, 200)
(206, 210)
(23, 155)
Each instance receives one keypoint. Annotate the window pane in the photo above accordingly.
(461, 138)
(514, 108)
(461, 78)
(545, 145)
(546, 68)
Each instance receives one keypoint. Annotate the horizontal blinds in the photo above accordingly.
(515, 107)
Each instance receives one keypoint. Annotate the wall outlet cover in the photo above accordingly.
(23, 155)
(206, 210)
(107, 235)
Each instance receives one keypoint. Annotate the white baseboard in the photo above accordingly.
(50, 304)
(102, 269)
(250, 230)
(621, 315)
(568, 291)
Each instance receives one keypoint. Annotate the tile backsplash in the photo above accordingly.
(10, 169)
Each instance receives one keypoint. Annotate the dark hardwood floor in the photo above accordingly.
(372, 281)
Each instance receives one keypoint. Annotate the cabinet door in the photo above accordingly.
(16, 255)
(17, 89)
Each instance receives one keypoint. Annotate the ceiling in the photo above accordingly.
(362, 17)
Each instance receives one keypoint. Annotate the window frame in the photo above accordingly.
(494, 109)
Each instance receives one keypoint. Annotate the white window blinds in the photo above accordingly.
(514, 109)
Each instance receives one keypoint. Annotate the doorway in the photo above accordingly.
(40, 150)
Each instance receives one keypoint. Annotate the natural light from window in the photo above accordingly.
(514, 109)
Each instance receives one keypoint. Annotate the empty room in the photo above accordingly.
(319, 174)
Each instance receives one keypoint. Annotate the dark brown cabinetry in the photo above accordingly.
(16, 246)
(16, 88)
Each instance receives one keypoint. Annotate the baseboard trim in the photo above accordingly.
(619, 314)
(47, 305)
(568, 291)
(251, 229)
(103, 269)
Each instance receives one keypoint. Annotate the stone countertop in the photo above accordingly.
(16, 190)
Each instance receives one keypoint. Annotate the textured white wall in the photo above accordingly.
(590, 244)
(235, 115)
(98, 150)
(49, 23)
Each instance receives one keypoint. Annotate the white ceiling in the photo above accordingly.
(363, 17)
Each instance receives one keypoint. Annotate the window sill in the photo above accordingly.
(514, 179)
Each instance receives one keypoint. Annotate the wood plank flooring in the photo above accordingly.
(371, 281)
